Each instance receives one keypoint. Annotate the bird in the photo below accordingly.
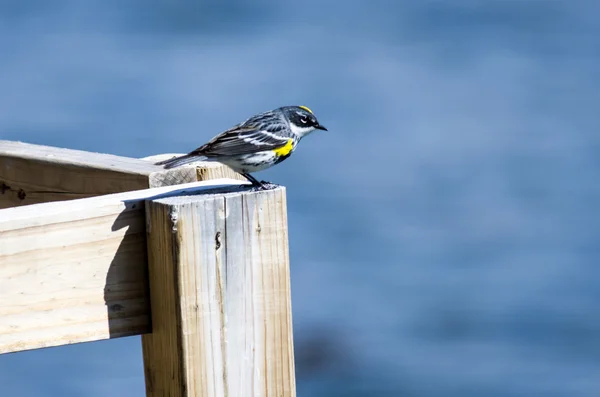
(258, 143)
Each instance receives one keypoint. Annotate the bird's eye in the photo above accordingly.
(304, 119)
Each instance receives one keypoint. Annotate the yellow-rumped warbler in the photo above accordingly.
(256, 144)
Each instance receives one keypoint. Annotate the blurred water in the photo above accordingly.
(444, 234)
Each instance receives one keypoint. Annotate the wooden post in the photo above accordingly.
(220, 296)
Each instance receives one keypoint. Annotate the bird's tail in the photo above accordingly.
(181, 160)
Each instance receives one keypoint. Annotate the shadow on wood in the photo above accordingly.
(126, 292)
(61, 264)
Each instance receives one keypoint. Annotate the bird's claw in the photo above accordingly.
(264, 185)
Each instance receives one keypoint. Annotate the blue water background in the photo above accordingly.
(444, 235)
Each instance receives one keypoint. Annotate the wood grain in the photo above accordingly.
(31, 174)
(220, 292)
(77, 272)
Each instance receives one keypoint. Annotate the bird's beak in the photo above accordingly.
(320, 127)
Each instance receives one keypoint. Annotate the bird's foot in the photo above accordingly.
(258, 185)
(262, 186)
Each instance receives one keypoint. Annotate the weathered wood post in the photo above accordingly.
(220, 293)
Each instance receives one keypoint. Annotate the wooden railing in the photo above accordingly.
(95, 246)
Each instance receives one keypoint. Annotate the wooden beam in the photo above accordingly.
(31, 174)
(220, 293)
(77, 271)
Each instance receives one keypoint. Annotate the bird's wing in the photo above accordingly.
(245, 139)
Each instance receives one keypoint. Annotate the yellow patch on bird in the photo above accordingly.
(285, 149)
(305, 108)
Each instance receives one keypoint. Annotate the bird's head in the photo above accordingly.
(302, 120)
